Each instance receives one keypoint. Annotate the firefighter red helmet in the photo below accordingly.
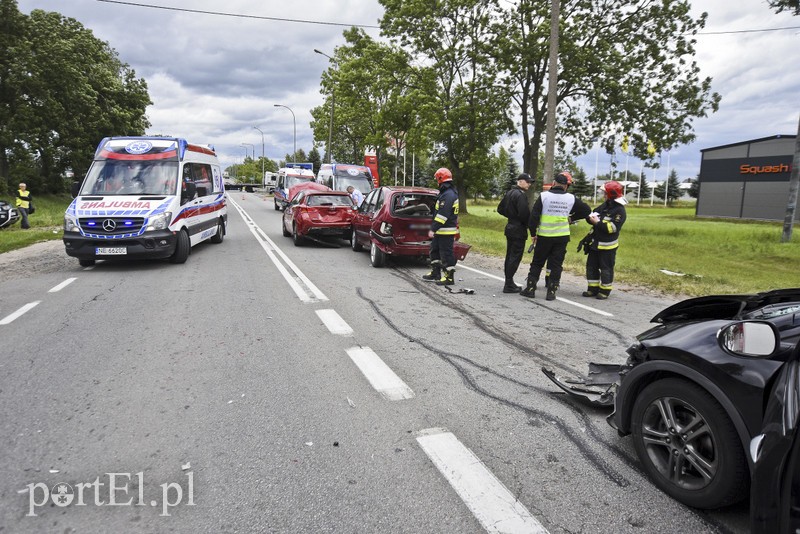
(613, 190)
(443, 175)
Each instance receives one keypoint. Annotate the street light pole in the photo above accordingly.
(294, 123)
(333, 103)
(262, 152)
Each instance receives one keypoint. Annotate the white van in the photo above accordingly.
(270, 181)
(146, 197)
(287, 177)
(339, 176)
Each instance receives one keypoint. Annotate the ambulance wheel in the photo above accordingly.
(276, 205)
(376, 256)
(220, 235)
(182, 248)
(86, 263)
(298, 239)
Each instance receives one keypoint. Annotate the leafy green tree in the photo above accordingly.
(61, 91)
(466, 113)
(314, 157)
(793, 6)
(625, 69)
(694, 191)
(581, 187)
(673, 191)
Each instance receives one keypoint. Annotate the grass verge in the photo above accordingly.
(47, 223)
(715, 256)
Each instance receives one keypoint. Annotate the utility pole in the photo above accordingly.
(794, 185)
(262, 152)
(552, 88)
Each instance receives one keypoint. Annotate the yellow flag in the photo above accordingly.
(625, 144)
(651, 149)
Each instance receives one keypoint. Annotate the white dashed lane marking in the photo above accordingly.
(487, 498)
(20, 312)
(379, 375)
(62, 285)
(334, 323)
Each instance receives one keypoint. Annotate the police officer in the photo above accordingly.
(514, 206)
(443, 231)
(603, 241)
(549, 222)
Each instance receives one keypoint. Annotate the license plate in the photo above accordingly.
(110, 251)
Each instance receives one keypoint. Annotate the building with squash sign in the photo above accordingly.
(747, 180)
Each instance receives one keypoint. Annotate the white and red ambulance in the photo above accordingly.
(146, 197)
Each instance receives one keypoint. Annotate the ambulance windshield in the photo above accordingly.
(131, 177)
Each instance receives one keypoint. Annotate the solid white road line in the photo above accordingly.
(487, 498)
(10, 318)
(62, 285)
(379, 374)
(309, 293)
(582, 306)
(334, 322)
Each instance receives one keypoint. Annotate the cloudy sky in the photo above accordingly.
(213, 78)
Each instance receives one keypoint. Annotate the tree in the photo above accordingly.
(625, 72)
(61, 91)
(466, 113)
(792, 6)
(694, 190)
(673, 191)
(314, 158)
(581, 186)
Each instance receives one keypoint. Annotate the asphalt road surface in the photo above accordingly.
(263, 387)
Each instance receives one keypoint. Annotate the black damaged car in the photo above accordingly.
(8, 214)
(711, 397)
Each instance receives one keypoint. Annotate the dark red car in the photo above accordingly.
(312, 214)
(394, 221)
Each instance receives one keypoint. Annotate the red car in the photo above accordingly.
(313, 213)
(394, 221)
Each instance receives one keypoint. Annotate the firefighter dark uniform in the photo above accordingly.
(603, 242)
(549, 222)
(514, 206)
(444, 229)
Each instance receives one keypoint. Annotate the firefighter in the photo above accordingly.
(603, 241)
(549, 222)
(443, 231)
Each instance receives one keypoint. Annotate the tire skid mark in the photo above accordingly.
(453, 359)
(579, 411)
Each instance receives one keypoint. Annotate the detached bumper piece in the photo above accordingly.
(597, 388)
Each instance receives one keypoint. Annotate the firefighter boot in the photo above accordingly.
(603, 294)
(551, 292)
(436, 272)
(530, 289)
(448, 277)
(591, 292)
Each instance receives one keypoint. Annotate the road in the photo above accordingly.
(263, 387)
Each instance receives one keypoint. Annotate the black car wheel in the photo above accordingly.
(376, 256)
(86, 263)
(298, 239)
(286, 232)
(354, 244)
(688, 445)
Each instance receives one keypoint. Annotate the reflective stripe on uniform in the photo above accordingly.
(553, 226)
(608, 287)
(440, 219)
(446, 231)
(607, 245)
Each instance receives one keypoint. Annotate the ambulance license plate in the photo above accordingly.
(110, 251)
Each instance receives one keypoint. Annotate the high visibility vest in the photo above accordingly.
(556, 207)
(23, 202)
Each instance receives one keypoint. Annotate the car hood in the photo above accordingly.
(723, 306)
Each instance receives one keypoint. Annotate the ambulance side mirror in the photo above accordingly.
(75, 189)
(188, 192)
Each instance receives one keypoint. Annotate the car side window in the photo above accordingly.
(298, 198)
(366, 205)
(379, 200)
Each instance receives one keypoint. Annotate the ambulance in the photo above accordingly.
(146, 198)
